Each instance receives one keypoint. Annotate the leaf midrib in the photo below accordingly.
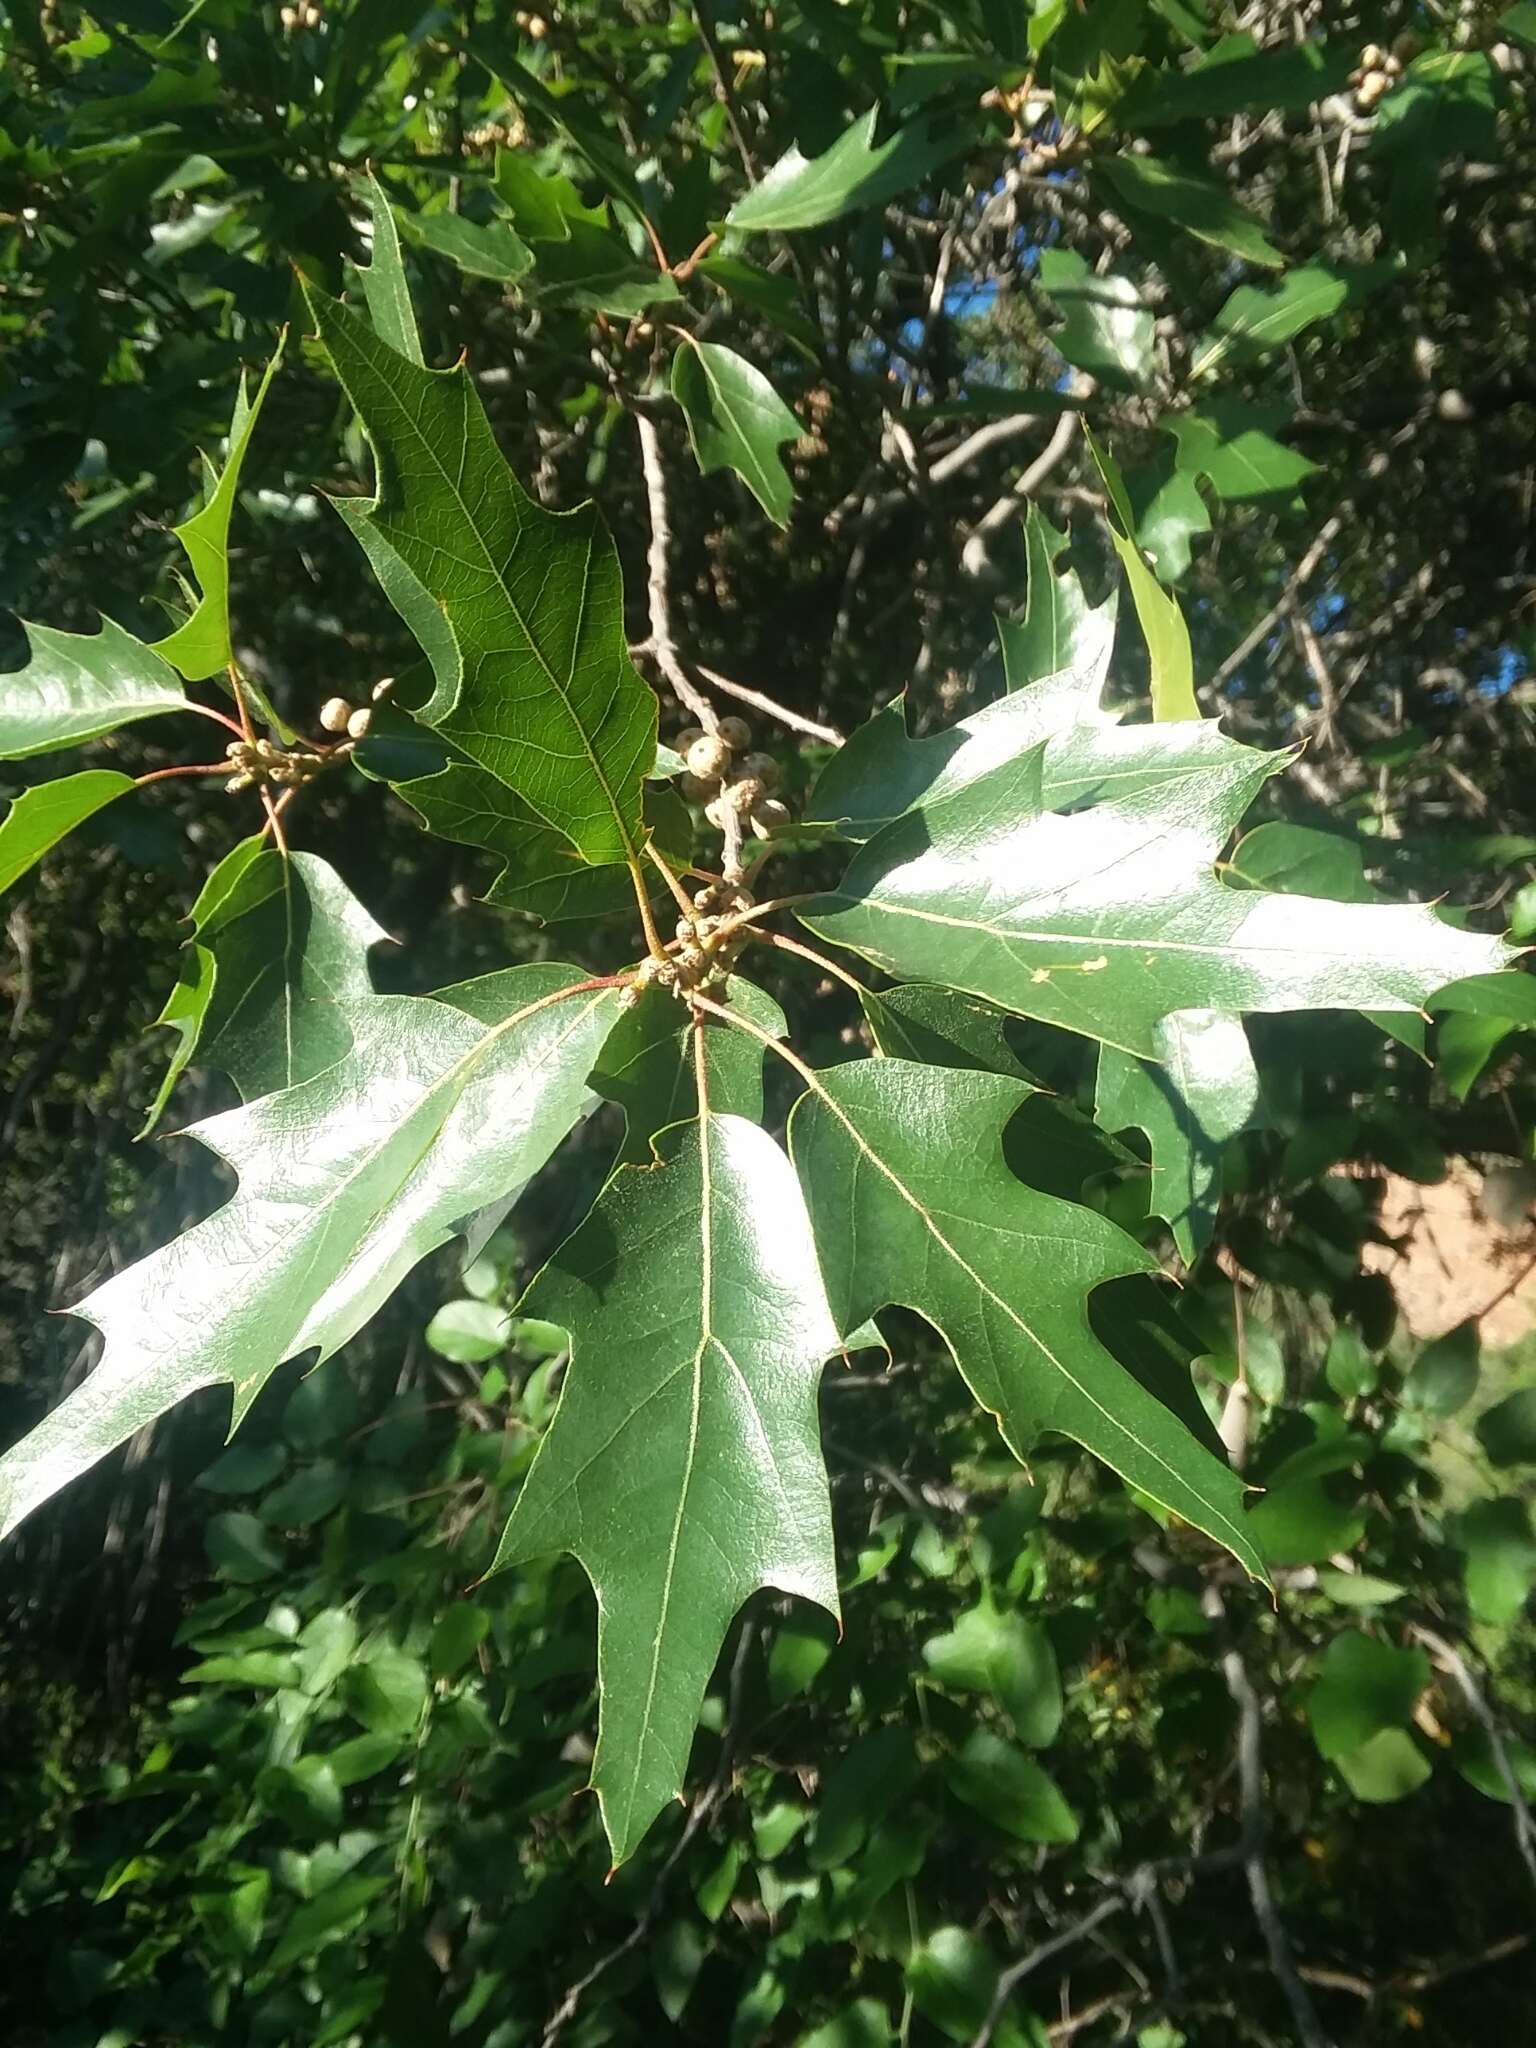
(561, 690)
(921, 1210)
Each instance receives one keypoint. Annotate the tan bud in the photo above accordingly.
(382, 688)
(708, 758)
(736, 733)
(1372, 57)
(719, 810)
(358, 724)
(764, 767)
(746, 794)
(1373, 89)
(686, 738)
(697, 789)
(334, 713)
(770, 816)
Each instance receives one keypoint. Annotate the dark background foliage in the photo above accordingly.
(271, 1774)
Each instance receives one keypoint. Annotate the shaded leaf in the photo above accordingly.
(1443, 1377)
(1362, 1687)
(277, 958)
(1010, 1790)
(736, 420)
(1010, 1659)
(913, 1207)
(345, 1183)
(1251, 322)
(1201, 207)
(1499, 1558)
(1235, 74)
(1200, 1092)
(520, 611)
(479, 248)
(683, 1467)
(1507, 1431)
(1060, 631)
(647, 1065)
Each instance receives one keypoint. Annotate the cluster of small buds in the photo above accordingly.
(1379, 70)
(264, 763)
(509, 133)
(726, 785)
(303, 16)
(534, 26)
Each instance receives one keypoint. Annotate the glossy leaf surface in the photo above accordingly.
(1109, 918)
(78, 686)
(277, 959)
(345, 1183)
(48, 812)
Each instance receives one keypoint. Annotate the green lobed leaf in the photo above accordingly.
(200, 645)
(1231, 446)
(520, 611)
(479, 248)
(855, 173)
(1251, 321)
(881, 774)
(1171, 514)
(736, 420)
(1201, 207)
(1200, 1091)
(1162, 623)
(48, 812)
(78, 686)
(541, 874)
(1060, 632)
(544, 206)
(385, 290)
(1106, 326)
(683, 1468)
(648, 1067)
(443, 1105)
(276, 960)
(1108, 919)
(914, 1207)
